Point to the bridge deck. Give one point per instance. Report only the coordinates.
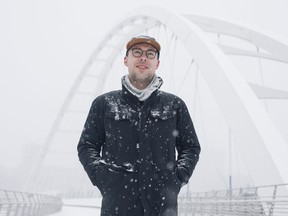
(75, 207)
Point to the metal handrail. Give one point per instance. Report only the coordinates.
(271, 200)
(15, 203)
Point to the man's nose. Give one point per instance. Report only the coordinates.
(143, 57)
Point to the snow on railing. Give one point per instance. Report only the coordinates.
(269, 200)
(14, 203)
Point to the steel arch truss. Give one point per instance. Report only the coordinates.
(249, 122)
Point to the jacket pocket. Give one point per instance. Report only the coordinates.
(167, 180)
(106, 179)
(164, 114)
(98, 178)
(118, 115)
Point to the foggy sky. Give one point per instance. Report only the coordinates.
(45, 44)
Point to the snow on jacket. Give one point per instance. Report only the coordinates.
(131, 148)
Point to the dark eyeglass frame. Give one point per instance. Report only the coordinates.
(154, 52)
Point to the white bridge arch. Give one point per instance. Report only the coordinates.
(248, 120)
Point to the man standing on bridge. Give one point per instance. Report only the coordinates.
(139, 145)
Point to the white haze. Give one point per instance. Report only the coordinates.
(45, 44)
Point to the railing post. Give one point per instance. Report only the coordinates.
(243, 201)
(273, 201)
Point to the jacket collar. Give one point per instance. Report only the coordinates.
(135, 100)
(144, 94)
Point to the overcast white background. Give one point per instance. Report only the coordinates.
(45, 43)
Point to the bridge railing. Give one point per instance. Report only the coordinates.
(269, 200)
(13, 203)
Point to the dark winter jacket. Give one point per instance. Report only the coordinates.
(128, 149)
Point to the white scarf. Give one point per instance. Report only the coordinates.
(143, 94)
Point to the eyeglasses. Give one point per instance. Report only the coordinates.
(137, 52)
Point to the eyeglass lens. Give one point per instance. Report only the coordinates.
(139, 52)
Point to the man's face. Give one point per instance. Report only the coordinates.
(142, 68)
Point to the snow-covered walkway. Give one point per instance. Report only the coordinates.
(80, 207)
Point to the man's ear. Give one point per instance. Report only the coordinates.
(158, 64)
(126, 61)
